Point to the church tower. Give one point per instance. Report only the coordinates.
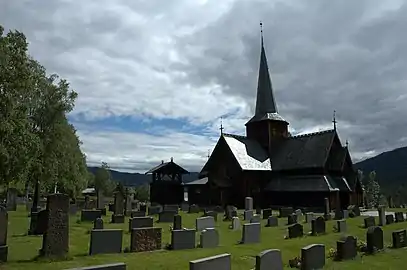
(266, 126)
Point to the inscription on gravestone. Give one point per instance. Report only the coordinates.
(399, 239)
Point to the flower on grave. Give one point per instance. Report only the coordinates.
(285, 236)
(332, 253)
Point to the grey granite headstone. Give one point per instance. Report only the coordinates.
(374, 239)
(177, 224)
(166, 216)
(88, 215)
(327, 209)
(313, 257)
(218, 262)
(98, 224)
(382, 215)
(369, 222)
(269, 260)
(154, 209)
(183, 239)
(292, 219)
(295, 230)
(255, 219)
(185, 206)
(248, 203)
(399, 238)
(106, 241)
(272, 221)
(235, 223)
(345, 214)
(251, 233)
(209, 238)
(3, 234)
(248, 214)
(318, 226)
(135, 213)
(341, 225)
(140, 222)
(399, 216)
(267, 213)
(346, 248)
(204, 223)
(309, 217)
(171, 208)
(389, 219)
(213, 214)
(113, 266)
(193, 209)
(285, 211)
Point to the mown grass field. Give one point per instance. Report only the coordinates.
(23, 248)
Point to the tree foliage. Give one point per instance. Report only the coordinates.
(103, 180)
(37, 142)
(372, 190)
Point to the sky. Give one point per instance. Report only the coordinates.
(154, 78)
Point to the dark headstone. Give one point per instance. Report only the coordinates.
(137, 214)
(285, 211)
(204, 222)
(211, 214)
(171, 208)
(177, 224)
(389, 219)
(399, 216)
(318, 226)
(56, 238)
(382, 215)
(327, 209)
(399, 238)
(295, 230)
(154, 209)
(3, 234)
(369, 222)
(87, 202)
(218, 262)
(258, 211)
(105, 241)
(209, 238)
(145, 239)
(143, 208)
(111, 207)
(269, 260)
(374, 239)
(98, 224)
(117, 219)
(341, 225)
(267, 213)
(272, 221)
(140, 222)
(166, 216)
(313, 257)
(292, 219)
(41, 224)
(251, 233)
(193, 209)
(118, 216)
(12, 199)
(182, 239)
(113, 266)
(90, 215)
(346, 248)
(103, 211)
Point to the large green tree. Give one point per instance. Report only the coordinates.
(103, 180)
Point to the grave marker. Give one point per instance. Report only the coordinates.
(374, 239)
(313, 257)
(183, 239)
(399, 238)
(272, 222)
(369, 222)
(145, 239)
(177, 224)
(269, 260)
(209, 238)
(318, 226)
(251, 233)
(218, 262)
(295, 230)
(346, 248)
(3, 234)
(204, 223)
(105, 241)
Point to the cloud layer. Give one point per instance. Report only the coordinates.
(175, 67)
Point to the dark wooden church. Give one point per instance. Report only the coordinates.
(273, 167)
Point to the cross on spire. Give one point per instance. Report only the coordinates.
(221, 125)
(347, 143)
(334, 120)
(209, 153)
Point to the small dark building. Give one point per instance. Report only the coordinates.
(278, 169)
(166, 186)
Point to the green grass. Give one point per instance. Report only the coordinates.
(22, 248)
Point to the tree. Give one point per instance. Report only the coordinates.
(142, 193)
(373, 191)
(103, 180)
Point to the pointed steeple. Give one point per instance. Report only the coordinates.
(266, 107)
(265, 102)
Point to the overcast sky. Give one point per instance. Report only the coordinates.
(154, 77)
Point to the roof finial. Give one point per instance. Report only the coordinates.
(221, 125)
(334, 120)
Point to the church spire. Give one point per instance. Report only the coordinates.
(265, 102)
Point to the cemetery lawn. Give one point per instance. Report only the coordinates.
(23, 249)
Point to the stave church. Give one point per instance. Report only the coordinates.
(273, 167)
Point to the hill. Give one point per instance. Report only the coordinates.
(137, 179)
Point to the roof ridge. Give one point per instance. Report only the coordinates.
(234, 136)
(313, 133)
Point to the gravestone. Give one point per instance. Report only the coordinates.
(248, 214)
(355, 210)
(327, 209)
(341, 225)
(295, 230)
(218, 209)
(143, 207)
(235, 223)
(285, 211)
(105, 241)
(309, 217)
(313, 257)
(255, 219)
(369, 222)
(204, 223)
(292, 219)
(338, 208)
(209, 238)
(87, 202)
(112, 266)
(111, 207)
(399, 216)
(183, 239)
(269, 260)
(3, 234)
(267, 213)
(345, 214)
(171, 208)
(211, 214)
(299, 215)
(73, 209)
(248, 203)
(399, 238)
(382, 215)
(12, 199)
(128, 205)
(100, 200)
(258, 210)
(140, 222)
(218, 262)
(374, 239)
(389, 219)
(41, 224)
(177, 224)
(251, 233)
(346, 248)
(98, 224)
(230, 212)
(272, 222)
(136, 213)
(193, 209)
(55, 241)
(118, 213)
(145, 239)
(185, 206)
(90, 215)
(166, 216)
(318, 226)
